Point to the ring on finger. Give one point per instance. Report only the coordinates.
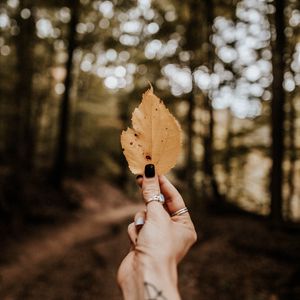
(180, 212)
(158, 197)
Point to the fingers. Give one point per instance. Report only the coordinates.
(150, 188)
(134, 227)
(173, 199)
(132, 233)
(139, 180)
(139, 219)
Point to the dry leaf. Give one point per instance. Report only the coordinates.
(154, 139)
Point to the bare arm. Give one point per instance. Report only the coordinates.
(159, 242)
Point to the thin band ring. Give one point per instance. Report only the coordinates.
(159, 197)
(180, 212)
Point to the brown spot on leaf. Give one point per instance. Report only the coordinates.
(148, 157)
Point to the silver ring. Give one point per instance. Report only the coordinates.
(179, 212)
(159, 197)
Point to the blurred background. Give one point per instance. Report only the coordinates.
(71, 74)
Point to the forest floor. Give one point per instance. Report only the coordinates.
(236, 257)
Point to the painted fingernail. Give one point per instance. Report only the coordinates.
(149, 171)
(139, 221)
(139, 176)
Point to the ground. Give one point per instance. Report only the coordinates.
(236, 257)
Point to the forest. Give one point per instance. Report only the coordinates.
(71, 74)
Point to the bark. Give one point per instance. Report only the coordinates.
(190, 165)
(228, 153)
(192, 45)
(208, 138)
(292, 154)
(20, 134)
(63, 132)
(277, 119)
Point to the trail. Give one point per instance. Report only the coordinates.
(235, 257)
(98, 221)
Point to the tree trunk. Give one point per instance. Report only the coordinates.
(228, 153)
(190, 164)
(208, 139)
(192, 44)
(62, 142)
(20, 134)
(292, 155)
(277, 119)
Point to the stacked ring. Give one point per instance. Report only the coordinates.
(179, 212)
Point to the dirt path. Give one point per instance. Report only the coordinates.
(94, 223)
(235, 258)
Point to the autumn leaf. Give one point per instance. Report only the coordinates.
(155, 136)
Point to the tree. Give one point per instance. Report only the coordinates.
(62, 141)
(192, 44)
(277, 118)
(292, 153)
(20, 135)
(208, 138)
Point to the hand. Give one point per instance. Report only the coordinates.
(158, 244)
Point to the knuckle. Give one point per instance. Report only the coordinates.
(149, 190)
(146, 193)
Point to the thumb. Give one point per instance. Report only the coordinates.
(150, 188)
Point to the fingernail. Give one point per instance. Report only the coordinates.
(139, 221)
(139, 176)
(149, 171)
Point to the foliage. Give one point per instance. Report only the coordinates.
(212, 67)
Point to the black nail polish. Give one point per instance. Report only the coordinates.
(139, 176)
(149, 171)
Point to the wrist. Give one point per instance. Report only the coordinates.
(158, 277)
(130, 283)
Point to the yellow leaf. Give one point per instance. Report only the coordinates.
(154, 139)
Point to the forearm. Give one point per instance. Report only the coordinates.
(152, 280)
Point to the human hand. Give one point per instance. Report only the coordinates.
(159, 240)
